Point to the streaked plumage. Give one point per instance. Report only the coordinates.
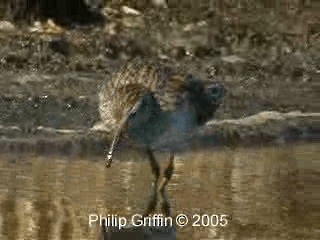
(153, 104)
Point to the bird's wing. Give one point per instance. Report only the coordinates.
(126, 97)
(138, 78)
(135, 73)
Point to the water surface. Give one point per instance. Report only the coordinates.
(267, 192)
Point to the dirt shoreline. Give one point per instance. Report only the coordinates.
(265, 128)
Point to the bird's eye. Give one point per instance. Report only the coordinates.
(216, 92)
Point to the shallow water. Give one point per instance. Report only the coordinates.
(267, 193)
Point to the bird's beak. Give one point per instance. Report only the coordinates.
(115, 141)
(119, 131)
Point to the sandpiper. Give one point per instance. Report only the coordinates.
(153, 105)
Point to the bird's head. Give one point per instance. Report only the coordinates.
(206, 97)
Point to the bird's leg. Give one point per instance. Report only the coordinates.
(165, 204)
(155, 168)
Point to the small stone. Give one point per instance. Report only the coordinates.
(6, 26)
(189, 27)
(3, 61)
(107, 11)
(130, 11)
(160, 3)
(178, 52)
(49, 27)
(232, 59)
(36, 27)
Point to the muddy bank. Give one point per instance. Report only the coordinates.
(50, 74)
(256, 130)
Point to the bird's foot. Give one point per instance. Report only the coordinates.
(108, 164)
